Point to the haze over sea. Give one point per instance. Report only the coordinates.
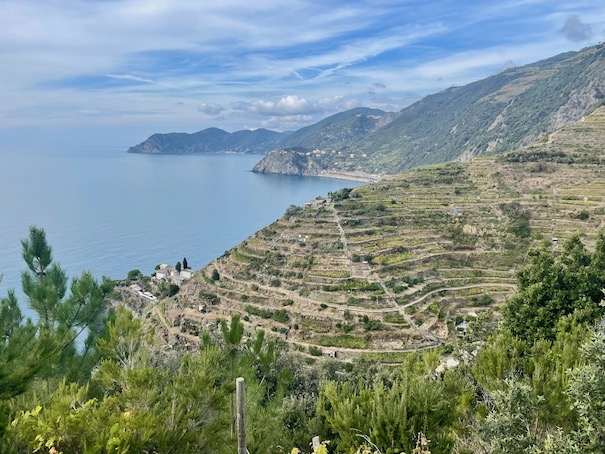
(110, 212)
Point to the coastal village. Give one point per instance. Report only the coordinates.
(174, 275)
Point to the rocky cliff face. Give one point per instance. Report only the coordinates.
(289, 163)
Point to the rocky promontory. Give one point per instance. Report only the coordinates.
(287, 162)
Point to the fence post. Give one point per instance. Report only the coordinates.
(241, 416)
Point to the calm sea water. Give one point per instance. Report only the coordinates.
(109, 212)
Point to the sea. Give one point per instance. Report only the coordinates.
(109, 211)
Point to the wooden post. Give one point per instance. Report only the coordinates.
(240, 397)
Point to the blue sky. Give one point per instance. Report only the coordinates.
(119, 70)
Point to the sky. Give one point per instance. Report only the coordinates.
(113, 72)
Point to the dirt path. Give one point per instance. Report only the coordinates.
(343, 239)
(365, 350)
(396, 308)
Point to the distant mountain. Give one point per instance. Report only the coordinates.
(335, 132)
(211, 140)
(340, 130)
(508, 110)
(502, 112)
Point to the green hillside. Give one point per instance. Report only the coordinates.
(338, 131)
(400, 264)
(500, 113)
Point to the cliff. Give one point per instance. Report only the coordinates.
(289, 163)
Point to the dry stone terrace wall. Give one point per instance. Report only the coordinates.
(397, 264)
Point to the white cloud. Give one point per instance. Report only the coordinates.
(283, 106)
(350, 104)
(471, 65)
(287, 123)
(210, 108)
(283, 65)
(294, 107)
(329, 103)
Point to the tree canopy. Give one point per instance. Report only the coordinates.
(536, 385)
(551, 287)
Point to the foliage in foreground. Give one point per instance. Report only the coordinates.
(537, 385)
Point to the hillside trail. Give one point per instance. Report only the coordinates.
(371, 275)
(359, 270)
(397, 308)
(343, 238)
(366, 350)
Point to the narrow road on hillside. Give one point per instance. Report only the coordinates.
(343, 239)
(362, 310)
(410, 348)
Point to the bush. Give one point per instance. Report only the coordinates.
(173, 290)
(275, 282)
(346, 328)
(370, 324)
(281, 316)
(315, 351)
(341, 194)
(133, 275)
(292, 210)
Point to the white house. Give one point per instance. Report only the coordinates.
(161, 274)
(170, 273)
(187, 273)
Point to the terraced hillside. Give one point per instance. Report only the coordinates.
(399, 264)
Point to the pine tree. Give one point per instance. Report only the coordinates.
(48, 347)
(185, 264)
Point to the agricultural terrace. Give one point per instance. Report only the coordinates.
(406, 263)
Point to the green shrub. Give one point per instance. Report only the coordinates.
(583, 215)
(315, 351)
